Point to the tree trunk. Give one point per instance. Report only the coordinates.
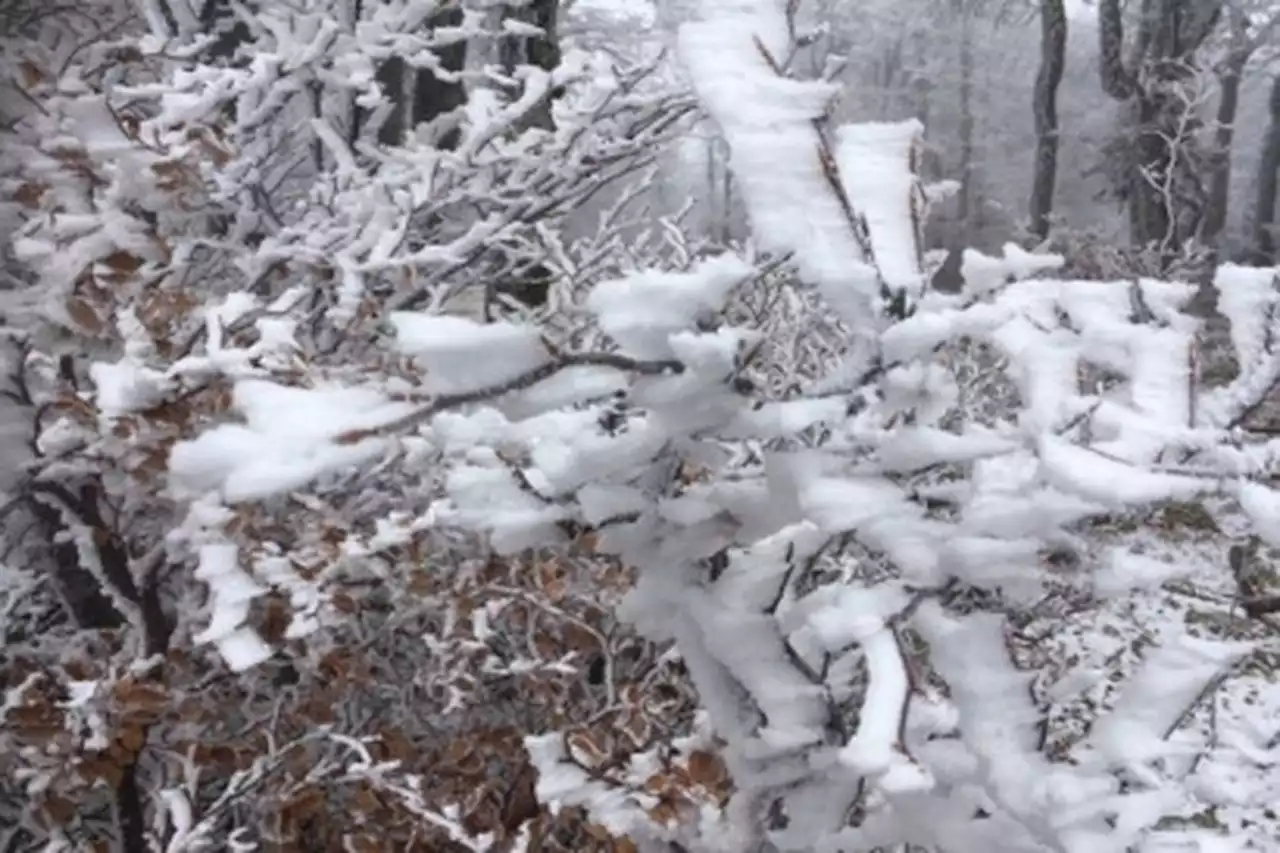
(1265, 214)
(1053, 48)
(964, 200)
(542, 51)
(1225, 127)
(390, 77)
(423, 98)
(434, 96)
(217, 16)
(1223, 136)
(1165, 208)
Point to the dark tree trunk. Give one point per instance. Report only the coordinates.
(964, 199)
(217, 17)
(390, 77)
(428, 98)
(1053, 49)
(433, 96)
(1225, 127)
(85, 601)
(1268, 169)
(1223, 136)
(542, 51)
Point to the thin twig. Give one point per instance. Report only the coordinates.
(447, 402)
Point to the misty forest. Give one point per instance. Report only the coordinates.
(640, 426)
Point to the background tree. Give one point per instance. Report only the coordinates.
(1053, 53)
(1162, 185)
(1268, 180)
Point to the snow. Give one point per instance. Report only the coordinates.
(288, 438)
(1124, 571)
(462, 355)
(985, 274)
(1249, 298)
(124, 387)
(643, 311)
(1134, 733)
(768, 122)
(874, 160)
(1110, 482)
(1262, 505)
(807, 552)
(231, 591)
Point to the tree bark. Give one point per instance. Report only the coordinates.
(1053, 49)
(1116, 80)
(217, 17)
(1225, 126)
(542, 51)
(435, 96)
(390, 78)
(1268, 177)
(964, 199)
(429, 96)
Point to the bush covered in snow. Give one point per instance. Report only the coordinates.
(717, 553)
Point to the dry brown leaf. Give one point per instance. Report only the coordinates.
(32, 76)
(123, 262)
(84, 315)
(584, 749)
(305, 803)
(94, 769)
(29, 194)
(706, 769)
(142, 699)
(344, 603)
(276, 617)
(367, 801)
(132, 739)
(59, 810)
(362, 843)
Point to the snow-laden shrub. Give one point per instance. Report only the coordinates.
(190, 224)
(899, 610)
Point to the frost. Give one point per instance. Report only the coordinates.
(1136, 730)
(642, 311)
(288, 439)
(1108, 481)
(873, 160)
(1124, 571)
(231, 590)
(461, 355)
